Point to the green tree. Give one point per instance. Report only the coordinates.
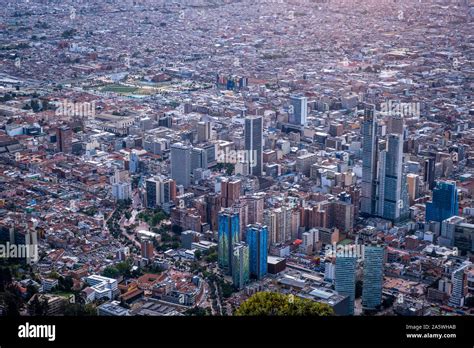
(111, 272)
(275, 304)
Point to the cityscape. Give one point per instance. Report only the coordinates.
(236, 158)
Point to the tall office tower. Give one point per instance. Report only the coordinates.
(369, 162)
(146, 248)
(373, 277)
(413, 182)
(254, 144)
(459, 281)
(64, 139)
(210, 149)
(134, 163)
(230, 191)
(203, 131)
(181, 164)
(257, 236)
(444, 203)
(240, 265)
(345, 279)
(300, 110)
(255, 205)
(198, 159)
(241, 208)
(228, 236)
(121, 186)
(159, 191)
(429, 173)
(213, 207)
(390, 202)
(270, 220)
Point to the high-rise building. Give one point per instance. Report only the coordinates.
(429, 173)
(444, 203)
(391, 192)
(373, 277)
(345, 279)
(230, 191)
(213, 207)
(240, 265)
(198, 159)
(146, 248)
(255, 206)
(257, 236)
(121, 186)
(134, 163)
(459, 281)
(181, 164)
(159, 191)
(254, 144)
(369, 162)
(413, 182)
(300, 110)
(204, 131)
(64, 139)
(228, 236)
(210, 149)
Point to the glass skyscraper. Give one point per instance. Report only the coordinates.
(257, 236)
(345, 279)
(369, 162)
(240, 265)
(228, 236)
(300, 110)
(392, 195)
(254, 144)
(181, 164)
(444, 203)
(373, 277)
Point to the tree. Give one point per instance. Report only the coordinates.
(111, 272)
(275, 304)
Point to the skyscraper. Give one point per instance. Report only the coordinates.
(254, 144)
(240, 265)
(391, 193)
(257, 236)
(459, 281)
(300, 110)
(228, 236)
(181, 164)
(159, 191)
(134, 163)
(373, 277)
(413, 181)
(345, 281)
(198, 159)
(230, 191)
(203, 131)
(64, 139)
(444, 203)
(369, 162)
(429, 173)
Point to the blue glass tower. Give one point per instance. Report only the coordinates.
(373, 277)
(257, 236)
(444, 203)
(345, 279)
(240, 265)
(228, 236)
